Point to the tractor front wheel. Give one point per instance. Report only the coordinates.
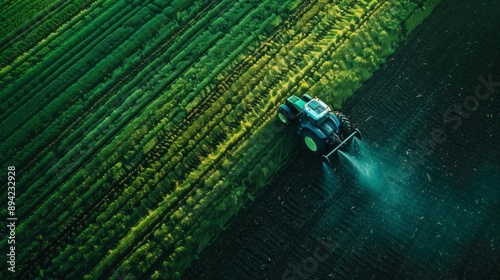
(285, 114)
(315, 144)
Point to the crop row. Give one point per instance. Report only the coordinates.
(126, 104)
(30, 58)
(157, 129)
(181, 248)
(49, 81)
(123, 102)
(46, 22)
(176, 169)
(188, 181)
(119, 112)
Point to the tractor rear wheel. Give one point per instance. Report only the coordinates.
(345, 125)
(285, 114)
(315, 144)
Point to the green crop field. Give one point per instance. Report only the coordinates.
(138, 129)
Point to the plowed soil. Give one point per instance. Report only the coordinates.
(417, 198)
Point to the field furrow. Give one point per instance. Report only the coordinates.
(141, 128)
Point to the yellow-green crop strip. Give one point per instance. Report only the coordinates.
(139, 128)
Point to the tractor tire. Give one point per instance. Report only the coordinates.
(313, 143)
(285, 114)
(345, 125)
(306, 97)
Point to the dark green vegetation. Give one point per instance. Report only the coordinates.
(379, 212)
(139, 128)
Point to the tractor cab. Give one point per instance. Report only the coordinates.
(316, 111)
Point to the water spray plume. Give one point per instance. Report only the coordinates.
(355, 144)
(363, 166)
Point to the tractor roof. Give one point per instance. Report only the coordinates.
(316, 109)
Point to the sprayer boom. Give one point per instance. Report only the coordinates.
(356, 134)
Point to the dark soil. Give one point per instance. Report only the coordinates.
(418, 198)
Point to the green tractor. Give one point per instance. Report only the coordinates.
(323, 131)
